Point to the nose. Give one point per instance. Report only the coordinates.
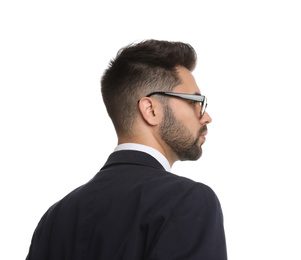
(205, 119)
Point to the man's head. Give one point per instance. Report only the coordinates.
(174, 125)
(138, 70)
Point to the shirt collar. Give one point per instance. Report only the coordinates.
(147, 149)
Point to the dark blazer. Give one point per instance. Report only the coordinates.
(132, 209)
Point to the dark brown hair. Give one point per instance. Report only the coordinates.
(138, 70)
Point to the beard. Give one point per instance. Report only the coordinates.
(178, 137)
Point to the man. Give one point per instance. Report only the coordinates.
(134, 208)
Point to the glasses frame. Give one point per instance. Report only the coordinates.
(193, 97)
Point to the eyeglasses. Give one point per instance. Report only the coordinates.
(192, 97)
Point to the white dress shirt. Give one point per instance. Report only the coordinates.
(146, 149)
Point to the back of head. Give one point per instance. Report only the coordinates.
(138, 70)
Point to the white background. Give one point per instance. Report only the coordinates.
(55, 133)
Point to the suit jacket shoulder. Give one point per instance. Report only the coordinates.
(132, 209)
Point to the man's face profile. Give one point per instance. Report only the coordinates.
(179, 138)
(183, 128)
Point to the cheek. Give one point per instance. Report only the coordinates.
(186, 113)
(189, 116)
(182, 109)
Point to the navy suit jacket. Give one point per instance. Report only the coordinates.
(133, 210)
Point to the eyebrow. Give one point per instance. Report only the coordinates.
(196, 93)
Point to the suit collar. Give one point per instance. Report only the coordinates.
(132, 157)
(146, 149)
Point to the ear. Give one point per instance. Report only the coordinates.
(151, 111)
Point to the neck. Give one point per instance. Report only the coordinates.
(151, 142)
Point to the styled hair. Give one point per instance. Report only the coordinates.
(139, 69)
